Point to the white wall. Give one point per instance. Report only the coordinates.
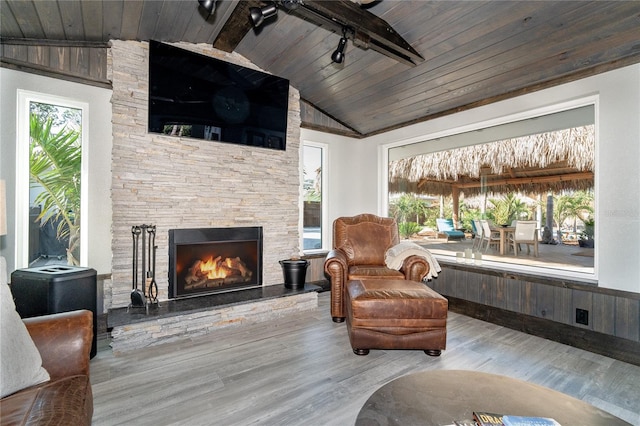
(617, 159)
(352, 174)
(98, 147)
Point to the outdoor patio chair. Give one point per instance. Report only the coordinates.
(445, 226)
(477, 234)
(490, 236)
(526, 232)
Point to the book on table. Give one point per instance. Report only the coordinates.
(483, 418)
(528, 421)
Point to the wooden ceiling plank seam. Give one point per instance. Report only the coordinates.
(205, 30)
(38, 55)
(280, 50)
(50, 18)
(113, 18)
(411, 76)
(23, 11)
(59, 59)
(315, 43)
(488, 81)
(149, 17)
(8, 22)
(441, 85)
(268, 42)
(456, 108)
(173, 20)
(78, 61)
(418, 73)
(71, 14)
(92, 17)
(346, 126)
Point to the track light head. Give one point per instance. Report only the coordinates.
(257, 15)
(208, 5)
(338, 55)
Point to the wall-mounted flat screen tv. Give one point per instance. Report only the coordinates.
(196, 96)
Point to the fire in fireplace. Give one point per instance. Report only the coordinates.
(212, 260)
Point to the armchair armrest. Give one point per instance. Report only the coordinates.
(415, 268)
(64, 341)
(337, 267)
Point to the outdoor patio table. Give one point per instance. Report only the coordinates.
(504, 233)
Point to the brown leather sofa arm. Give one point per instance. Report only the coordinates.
(415, 268)
(337, 267)
(64, 341)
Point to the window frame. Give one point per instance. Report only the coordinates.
(437, 145)
(25, 97)
(324, 181)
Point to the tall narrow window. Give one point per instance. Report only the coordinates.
(50, 170)
(313, 206)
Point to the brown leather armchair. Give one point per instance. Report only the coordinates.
(64, 341)
(359, 246)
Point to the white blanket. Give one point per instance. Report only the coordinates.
(395, 256)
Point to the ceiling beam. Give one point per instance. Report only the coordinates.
(370, 31)
(236, 27)
(365, 29)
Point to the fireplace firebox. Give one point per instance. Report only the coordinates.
(212, 260)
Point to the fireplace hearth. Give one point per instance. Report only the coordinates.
(212, 260)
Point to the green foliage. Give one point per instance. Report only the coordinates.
(55, 167)
(507, 209)
(589, 229)
(408, 207)
(407, 229)
(572, 205)
(467, 215)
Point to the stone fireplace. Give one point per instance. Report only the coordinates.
(183, 183)
(212, 260)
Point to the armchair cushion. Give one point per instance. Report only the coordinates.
(20, 360)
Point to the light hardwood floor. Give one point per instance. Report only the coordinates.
(300, 370)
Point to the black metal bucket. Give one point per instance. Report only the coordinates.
(294, 272)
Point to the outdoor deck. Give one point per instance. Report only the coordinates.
(563, 257)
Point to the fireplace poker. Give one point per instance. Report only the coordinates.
(137, 297)
(153, 286)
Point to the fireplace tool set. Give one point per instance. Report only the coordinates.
(145, 288)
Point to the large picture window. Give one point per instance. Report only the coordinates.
(538, 170)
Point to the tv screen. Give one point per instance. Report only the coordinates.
(193, 95)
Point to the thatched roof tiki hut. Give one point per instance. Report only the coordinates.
(538, 164)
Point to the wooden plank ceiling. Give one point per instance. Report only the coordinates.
(475, 52)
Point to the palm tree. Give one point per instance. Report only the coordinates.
(573, 205)
(508, 208)
(54, 167)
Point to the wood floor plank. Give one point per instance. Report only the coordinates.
(300, 370)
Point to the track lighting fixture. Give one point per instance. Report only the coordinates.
(208, 5)
(257, 15)
(338, 55)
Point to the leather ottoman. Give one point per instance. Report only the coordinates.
(395, 314)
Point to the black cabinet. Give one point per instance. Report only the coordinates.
(55, 289)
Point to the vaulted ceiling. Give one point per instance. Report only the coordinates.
(475, 52)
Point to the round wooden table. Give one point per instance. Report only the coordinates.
(441, 397)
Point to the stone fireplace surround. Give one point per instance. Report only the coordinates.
(186, 183)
